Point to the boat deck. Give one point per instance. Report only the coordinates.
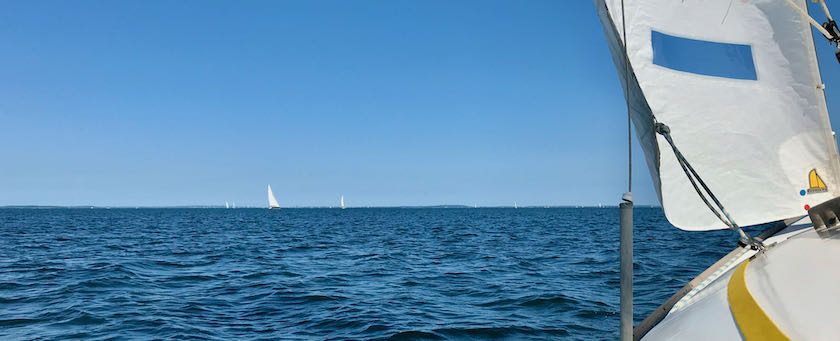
(793, 284)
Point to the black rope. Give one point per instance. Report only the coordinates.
(692, 175)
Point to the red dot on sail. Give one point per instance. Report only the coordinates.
(807, 207)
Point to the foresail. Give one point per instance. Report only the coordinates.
(738, 84)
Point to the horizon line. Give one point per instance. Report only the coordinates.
(319, 206)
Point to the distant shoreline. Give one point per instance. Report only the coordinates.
(303, 207)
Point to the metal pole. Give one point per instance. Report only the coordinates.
(626, 254)
(626, 208)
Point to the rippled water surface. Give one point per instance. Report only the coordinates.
(398, 273)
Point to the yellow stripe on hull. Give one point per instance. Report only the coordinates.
(752, 321)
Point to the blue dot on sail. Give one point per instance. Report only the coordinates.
(802, 192)
(703, 57)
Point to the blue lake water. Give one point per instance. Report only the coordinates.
(378, 273)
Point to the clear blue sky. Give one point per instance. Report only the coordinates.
(384, 102)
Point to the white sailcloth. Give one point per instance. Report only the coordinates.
(738, 84)
(342, 202)
(272, 201)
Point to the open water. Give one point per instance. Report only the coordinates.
(319, 274)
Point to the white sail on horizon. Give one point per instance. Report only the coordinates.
(227, 205)
(738, 85)
(272, 201)
(342, 202)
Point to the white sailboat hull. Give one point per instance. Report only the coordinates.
(793, 283)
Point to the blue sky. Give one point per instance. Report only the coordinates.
(385, 102)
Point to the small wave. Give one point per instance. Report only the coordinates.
(39, 246)
(321, 298)
(7, 300)
(191, 278)
(17, 322)
(592, 314)
(496, 303)
(97, 283)
(83, 319)
(415, 335)
(376, 328)
(369, 255)
(188, 264)
(257, 275)
(550, 302)
(499, 332)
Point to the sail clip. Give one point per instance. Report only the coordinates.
(831, 32)
(833, 36)
(834, 33)
(830, 29)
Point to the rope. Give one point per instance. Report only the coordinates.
(825, 9)
(813, 22)
(828, 29)
(695, 178)
(627, 99)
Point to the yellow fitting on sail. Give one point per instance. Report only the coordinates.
(815, 182)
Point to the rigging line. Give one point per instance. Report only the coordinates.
(727, 12)
(808, 17)
(682, 163)
(694, 175)
(825, 9)
(745, 238)
(627, 100)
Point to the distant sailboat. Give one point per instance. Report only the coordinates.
(233, 205)
(227, 205)
(272, 201)
(514, 205)
(342, 202)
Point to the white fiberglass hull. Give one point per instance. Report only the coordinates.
(792, 286)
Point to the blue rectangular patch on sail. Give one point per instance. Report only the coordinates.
(703, 57)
